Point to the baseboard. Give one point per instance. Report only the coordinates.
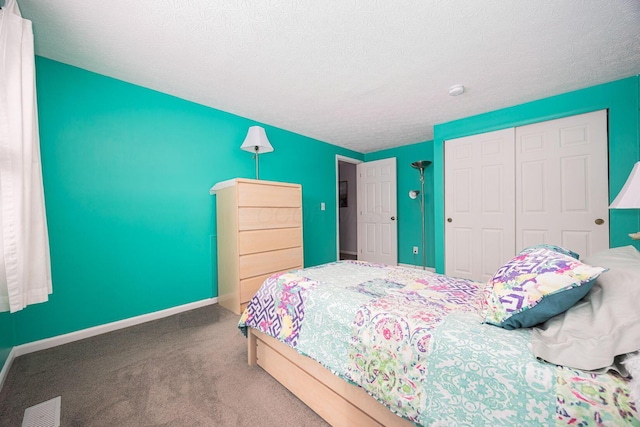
(349, 252)
(7, 365)
(107, 327)
(431, 269)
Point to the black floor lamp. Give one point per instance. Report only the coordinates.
(420, 165)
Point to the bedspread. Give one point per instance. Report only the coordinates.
(415, 341)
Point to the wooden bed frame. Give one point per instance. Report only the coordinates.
(331, 397)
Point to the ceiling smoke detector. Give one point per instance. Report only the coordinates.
(456, 90)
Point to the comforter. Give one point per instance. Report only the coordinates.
(415, 341)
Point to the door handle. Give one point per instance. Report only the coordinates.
(599, 221)
(449, 220)
(393, 218)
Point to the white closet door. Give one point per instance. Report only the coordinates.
(562, 180)
(479, 204)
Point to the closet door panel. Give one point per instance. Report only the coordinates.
(479, 204)
(461, 265)
(493, 251)
(533, 237)
(574, 175)
(533, 186)
(579, 241)
(562, 181)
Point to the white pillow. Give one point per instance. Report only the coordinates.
(604, 324)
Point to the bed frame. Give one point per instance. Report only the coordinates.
(334, 399)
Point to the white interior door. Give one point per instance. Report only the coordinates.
(377, 212)
(562, 183)
(479, 204)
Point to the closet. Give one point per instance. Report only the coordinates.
(541, 183)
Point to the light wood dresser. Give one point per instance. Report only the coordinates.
(259, 225)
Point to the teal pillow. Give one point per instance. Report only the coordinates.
(554, 248)
(535, 286)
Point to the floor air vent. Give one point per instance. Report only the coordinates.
(45, 414)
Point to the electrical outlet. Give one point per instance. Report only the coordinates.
(415, 250)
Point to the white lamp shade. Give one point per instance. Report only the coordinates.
(629, 196)
(256, 141)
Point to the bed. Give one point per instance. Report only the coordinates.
(370, 344)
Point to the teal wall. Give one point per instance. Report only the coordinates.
(127, 173)
(132, 226)
(619, 97)
(6, 337)
(409, 226)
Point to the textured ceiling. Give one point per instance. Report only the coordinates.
(364, 75)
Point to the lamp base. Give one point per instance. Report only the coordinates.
(257, 169)
(635, 236)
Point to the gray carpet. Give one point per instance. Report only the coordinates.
(189, 369)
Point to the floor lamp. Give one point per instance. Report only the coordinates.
(420, 165)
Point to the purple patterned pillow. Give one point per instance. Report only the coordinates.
(535, 286)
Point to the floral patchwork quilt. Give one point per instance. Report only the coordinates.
(417, 343)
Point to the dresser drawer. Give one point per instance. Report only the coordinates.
(269, 262)
(267, 218)
(260, 195)
(249, 287)
(243, 306)
(252, 241)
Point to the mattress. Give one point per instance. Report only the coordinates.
(416, 342)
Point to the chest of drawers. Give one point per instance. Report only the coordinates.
(259, 228)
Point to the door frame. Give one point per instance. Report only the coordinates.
(345, 159)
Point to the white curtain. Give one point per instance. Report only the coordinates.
(25, 266)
